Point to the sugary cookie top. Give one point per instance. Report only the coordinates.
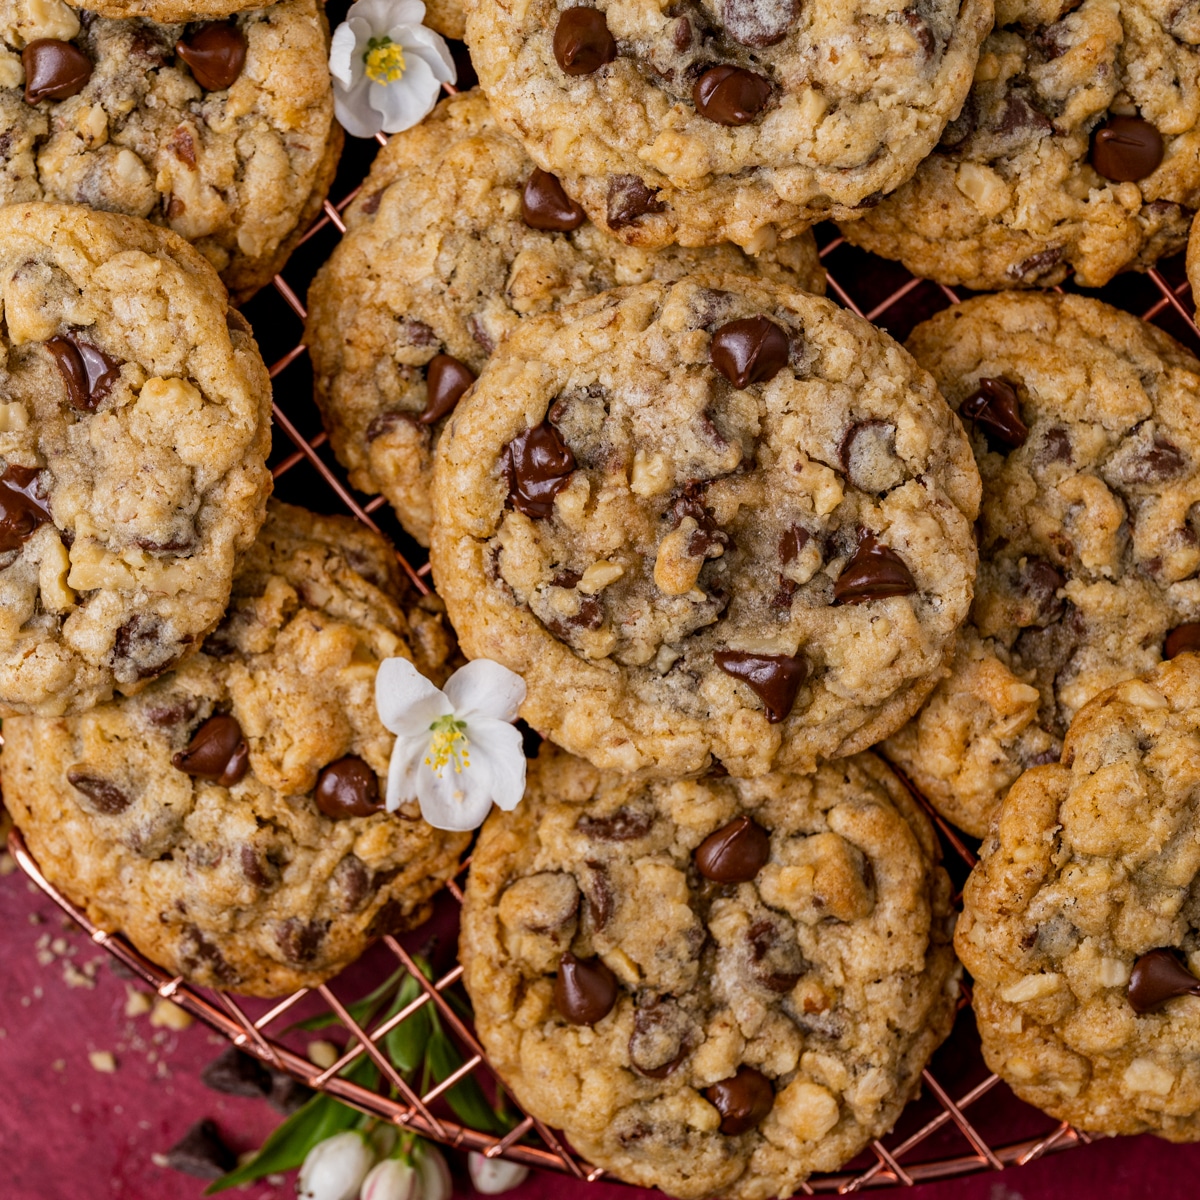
(134, 410)
(228, 817)
(719, 518)
(1085, 422)
(714, 986)
(1081, 923)
(1075, 152)
(191, 126)
(455, 237)
(739, 120)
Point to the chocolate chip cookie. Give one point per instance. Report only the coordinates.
(1081, 923)
(1084, 422)
(1076, 153)
(134, 428)
(714, 986)
(228, 819)
(716, 518)
(454, 238)
(222, 131)
(743, 120)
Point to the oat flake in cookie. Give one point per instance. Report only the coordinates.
(736, 120)
(221, 130)
(228, 818)
(134, 426)
(1077, 152)
(455, 237)
(1081, 923)
(720, 518)
(713, 986)
(1086, 425)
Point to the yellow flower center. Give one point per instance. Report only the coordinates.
(384, 59)
(448, 745)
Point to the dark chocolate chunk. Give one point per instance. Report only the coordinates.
(236, 1073)
(22, 508)
(1021, 116)
(758, 22)
(544, 204)
(628, 199)
(106, 797)
(1126, 149)
(921, 31)
(446, 381)
(773, 678)
(735, 853)
(585, 990)
(994, 407)
(660, 1040)
(1040, 583)
(300, 941)
(1056, 447)
(216, 54)
(259, 869)
(753, 350)
(351, 882)
(139, 644)
(202, 1152)
(875, 572)
(1158, 976)
(582, 41)
(625, 825)
(791, 542)
(54, 70)
(1182, 638)
(217, 751)
(730, 95)
(1036, 266)
(778, 963)
(743, 1100)
(348, 788)
(200, 956)
(539, 465)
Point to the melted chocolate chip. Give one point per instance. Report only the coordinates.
(216, 54)
(628, 199)
(22, 509)
(1181, 639)
(348, 788)
(217, 751)
(1158, 976)
(777, 958)
(994, 407)
(1163, 460)
(300, 941)
(625, 825)
(773, 678)
(730, 95)
(259, 871)
(539, 465)
(1126, 149)
(1040, 582)
(791, 542)
(54, 70)
(660, 1040)
(749, 351)
(446, 380)
(1056, 447)
(1036, 266)
(875, 572)
(582, 41)
(585, 990)
(106, 797)
(735, 853)
(544, 204)
(743, 1100)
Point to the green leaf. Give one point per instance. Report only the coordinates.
(466, 1097)
(360, 1010)
(405, 1045)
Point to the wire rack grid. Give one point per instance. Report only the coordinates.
(938, 1124)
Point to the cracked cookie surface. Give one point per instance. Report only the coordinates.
(450, 243)
(251, 868)
(720, 518)
(235, 152)
(1084, 426)
(1077, 152)
(134, 428)
(1081, 923)
(737, 120)
(782, 941)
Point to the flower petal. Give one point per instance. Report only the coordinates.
(484, 688)
(455, 800)
(409, 99)
(499, 745)
(382, 15)
(407, 756)
(406, 701)
(342, 56)
(431, 48)
(354, 112)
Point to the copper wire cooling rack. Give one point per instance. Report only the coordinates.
(934, 1138)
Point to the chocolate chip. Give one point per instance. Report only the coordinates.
(778, 963)
(597, 887)
(994, 407)
(920, 30)
(585, 990)
(1161, 461)
(730, 95)
(582, 41)
(1040, 582)
(1019, 115)
(1056, 447)
(1182, 639)
(300, 941)
(87, 371)
(199, 956)
(410, 332)
(773, 678)
(139, 645)
(217, 751)
(1036, 266)
(735, 853)
(22, 509)
(54, 70)
(216, 53)
(660, 1040)
(754, 350)
(1126, 149)
(708, 540)
(875, 572)
(791, 542)
(544, 204)
(351, 882)
(106, 797)
(743, 1100)
(259, 871)
(446, 380)
(758, 22)
(1158, 976)
(628, 199)
(391, 918)
(201, 1152)
(348, 788)
(625, 825)
(539, 465)
(235, 1073)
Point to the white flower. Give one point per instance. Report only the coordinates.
(432, 1173)
(392, 1179)
(334, 1168)
(494, 1175)
(387, 67)
(456, 750)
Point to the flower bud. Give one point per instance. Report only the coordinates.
(433, 1176)
(392, 1179)
(494, 1175)
(335, 1168)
